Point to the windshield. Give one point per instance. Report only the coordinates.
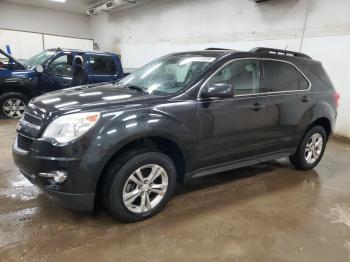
(38, 59)
(167, 75)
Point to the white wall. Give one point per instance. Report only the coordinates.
(43, 20)
(22, 44)
(52, 41)
(66, 28)
(158, 27)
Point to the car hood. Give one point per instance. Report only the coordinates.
(12, 59)
(89, 97)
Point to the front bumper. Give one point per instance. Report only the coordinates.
(70, 193)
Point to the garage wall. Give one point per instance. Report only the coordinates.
(43, 20)
(158, 27)
(28, 30)
(22, 44)
(52, 41)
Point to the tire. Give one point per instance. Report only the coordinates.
(14, 110)
(117, 187)
(306, 160)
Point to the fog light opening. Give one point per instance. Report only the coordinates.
(58, 176)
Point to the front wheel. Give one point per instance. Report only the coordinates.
(311, 149)
(12, 105)
(140, 185)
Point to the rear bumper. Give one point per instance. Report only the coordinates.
(72, 193)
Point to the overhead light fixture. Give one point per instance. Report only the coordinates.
(107, 6)
(60, 1)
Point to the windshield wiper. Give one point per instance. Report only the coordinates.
(137, 88)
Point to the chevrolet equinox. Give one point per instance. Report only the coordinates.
(182, 116)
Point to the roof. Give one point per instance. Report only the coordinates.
(215, 53)
(262, 51)
(81, 51)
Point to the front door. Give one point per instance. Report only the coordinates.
(58, 74)
(234, 128)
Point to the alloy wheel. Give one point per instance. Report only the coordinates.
(313, 148)
(145, 188)
(13, 107)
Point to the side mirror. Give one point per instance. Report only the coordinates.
(39, 68)
(218, 90)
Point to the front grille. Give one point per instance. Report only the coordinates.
(32, 119)
(24, 142)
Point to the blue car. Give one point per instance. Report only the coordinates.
(51, 70)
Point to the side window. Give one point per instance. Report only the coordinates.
(303, 83)
(61, 66)
(102, 65)
(280, 76)
(243, 75)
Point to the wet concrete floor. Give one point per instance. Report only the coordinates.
(267, 212)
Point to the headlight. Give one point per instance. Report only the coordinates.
(67, 128)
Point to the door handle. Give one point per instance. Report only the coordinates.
(305, 99)
(256, 107)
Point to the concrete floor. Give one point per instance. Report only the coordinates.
(268, 212)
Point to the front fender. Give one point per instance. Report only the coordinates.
(21, 81)
(121, 128)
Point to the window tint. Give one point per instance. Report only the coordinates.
(243, 75)
(303, 83)
(61, 65)
(102, 65)
(280, 76)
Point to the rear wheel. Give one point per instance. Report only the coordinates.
(12, 105)
(139, 185)
(311, 149)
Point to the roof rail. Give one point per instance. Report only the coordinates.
(216, 48)
(279, 52)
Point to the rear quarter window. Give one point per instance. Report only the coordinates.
(303, 83)
(102, 65)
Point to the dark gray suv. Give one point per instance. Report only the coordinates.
(181, 116)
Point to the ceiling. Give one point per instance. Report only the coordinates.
(76, 6)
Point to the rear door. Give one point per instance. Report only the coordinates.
(101, 68)
(287, 101)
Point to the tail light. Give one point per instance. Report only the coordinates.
(337, 98)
